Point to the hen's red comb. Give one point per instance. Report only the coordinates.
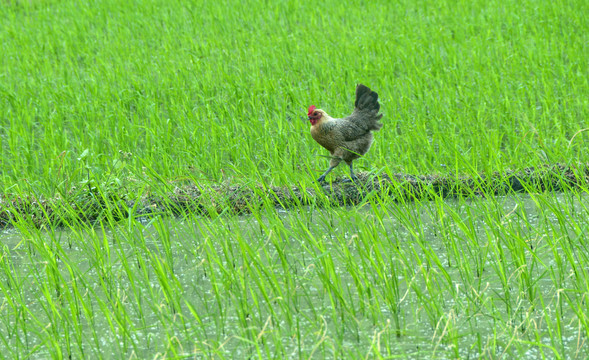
(311, 109)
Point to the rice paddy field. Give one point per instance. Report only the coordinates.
(114, 112)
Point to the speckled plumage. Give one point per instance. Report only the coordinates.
(351, 137)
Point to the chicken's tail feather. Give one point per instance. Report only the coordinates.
(375, 125)
(367, 100)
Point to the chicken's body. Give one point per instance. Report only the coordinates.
(351, 137)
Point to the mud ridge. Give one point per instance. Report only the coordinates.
(244, 199)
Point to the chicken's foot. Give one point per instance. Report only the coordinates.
(352, 175)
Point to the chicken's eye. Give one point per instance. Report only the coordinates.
(315, 113)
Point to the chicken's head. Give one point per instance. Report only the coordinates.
(314, 114)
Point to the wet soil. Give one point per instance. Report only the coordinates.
(244, 199)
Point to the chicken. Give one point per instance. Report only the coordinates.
(347, 138)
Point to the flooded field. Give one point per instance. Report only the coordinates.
(444, 279)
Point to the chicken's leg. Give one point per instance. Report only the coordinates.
(322, 177)
(332, 164)
(352, 175)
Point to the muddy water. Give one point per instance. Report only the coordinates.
(120, 263)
